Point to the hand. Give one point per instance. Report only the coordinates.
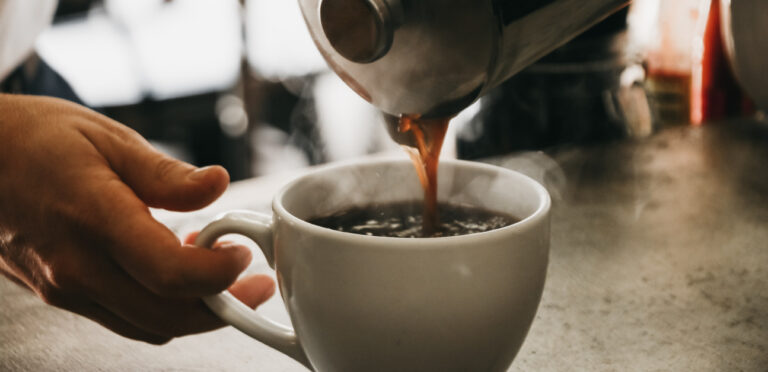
(75, 227)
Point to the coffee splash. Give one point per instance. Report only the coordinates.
(428, 135)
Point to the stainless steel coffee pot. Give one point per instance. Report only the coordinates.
(435, 57)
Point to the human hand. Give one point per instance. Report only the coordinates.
(75, 228)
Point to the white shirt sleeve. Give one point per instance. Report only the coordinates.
(21, 21)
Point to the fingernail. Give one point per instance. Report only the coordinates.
(243, 253)
(199, 173)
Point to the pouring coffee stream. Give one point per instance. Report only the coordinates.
(427, 137)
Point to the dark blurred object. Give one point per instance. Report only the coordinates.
(720, 95)
(574, 95)
(72, 8)
(36, 77)
(670, 94)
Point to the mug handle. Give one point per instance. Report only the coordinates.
(259, 228)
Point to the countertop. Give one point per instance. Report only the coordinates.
(659, 262)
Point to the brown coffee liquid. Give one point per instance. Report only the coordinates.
(429, 135)
(404, 220)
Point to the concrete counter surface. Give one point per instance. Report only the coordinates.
(659, 262)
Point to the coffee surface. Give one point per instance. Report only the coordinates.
(404, 220)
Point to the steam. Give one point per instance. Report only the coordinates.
(274, 151)
(460, 125)
(541, 167)
(348, 126)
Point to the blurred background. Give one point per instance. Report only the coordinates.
(240, 83)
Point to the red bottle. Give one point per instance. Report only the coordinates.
(719, 95)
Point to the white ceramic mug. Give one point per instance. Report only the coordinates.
(367, 303)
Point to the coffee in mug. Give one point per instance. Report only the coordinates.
(405, 220)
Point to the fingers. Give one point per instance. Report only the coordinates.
(151, 254)
(170, 269)
(253, 290)
(191, 237)
(167, 317)
(157, 179)
(100, 290)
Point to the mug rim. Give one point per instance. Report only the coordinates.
(532, 219)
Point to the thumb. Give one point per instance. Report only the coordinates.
(163, 182)
(159, 180)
